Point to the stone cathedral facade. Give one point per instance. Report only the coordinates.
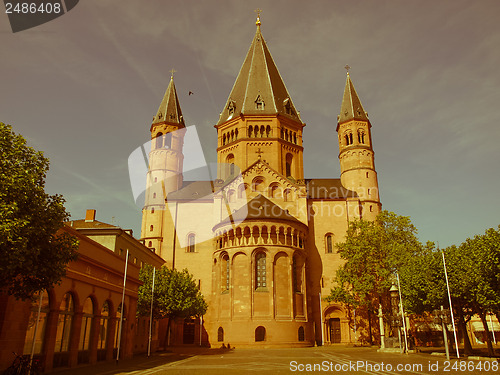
(264, 249)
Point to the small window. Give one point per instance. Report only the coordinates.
(225, 268)
(156, 179)
(150, 244)
(150, 228)
(329, 243)
(167, 143)
(259, 103)
(154, 195)
(191, 242)
(260, 270)
(260, 334)
(371, 208)
(301, 333)
(220, 334)
(159, 140)
(153, 210)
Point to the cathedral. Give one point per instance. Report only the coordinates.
(259, 238)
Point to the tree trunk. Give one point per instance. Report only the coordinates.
(482, 314)
(370, 336)
(463, 328)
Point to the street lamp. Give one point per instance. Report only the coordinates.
(443, 317)
(395, 319)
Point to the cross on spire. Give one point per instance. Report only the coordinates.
(172, 73)
(258, 11)
(347, 67)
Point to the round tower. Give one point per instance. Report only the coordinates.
(165, 166)
(356, 156)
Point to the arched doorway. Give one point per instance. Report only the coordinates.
(335, 325)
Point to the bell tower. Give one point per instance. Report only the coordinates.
(165, 166)
(356, 154)
(259, 119)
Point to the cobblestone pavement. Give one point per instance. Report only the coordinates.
(321, 360)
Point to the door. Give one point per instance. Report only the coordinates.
(335, 337)
(188, 332)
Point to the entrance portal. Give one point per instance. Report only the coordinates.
(335, 336)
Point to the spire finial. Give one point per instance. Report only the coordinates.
(258, 11)
(347, 67)
(172, 73)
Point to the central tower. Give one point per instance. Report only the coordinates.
(259, 119)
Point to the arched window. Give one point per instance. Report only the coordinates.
(150, 244)
(297, 265)
(282, 134)
(154, 195)
(258, 184)
(329, 243)
(350, 139)
(236, 134)
(288, 165)
(301, 333)
(268, 131)
(260, 270)
(361, 136)
(85, 331)
(287, 195)
(274, 190)
(223, 139)
(260, 334)
(250, 131)
(66, 312)
(262, 129)
(191, 240)
(159, 140)
(230, 162)
(295, 138)
(231, 196)
(224, 268)
(168, 140)
(153, 210)
(220, 334)
(103, 331)
(151, 228)
(42, 324)
(241, 191)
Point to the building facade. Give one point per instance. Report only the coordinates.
(260, 238)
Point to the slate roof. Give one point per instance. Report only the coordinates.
(170, 109)
(351, 108)
(259, 79)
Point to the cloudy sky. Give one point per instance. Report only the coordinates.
(83, 88)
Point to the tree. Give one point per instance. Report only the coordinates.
(176, 294)
(373, 251)
(33, 253)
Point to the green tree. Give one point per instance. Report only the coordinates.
(34, 254)
(176, 294)
(373, 251)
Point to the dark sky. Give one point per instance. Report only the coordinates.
(84, 88)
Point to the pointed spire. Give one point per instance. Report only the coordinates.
(351, 108)
(259, 88)
(170, 109)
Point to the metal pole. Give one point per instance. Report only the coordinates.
(321, 319)
(451, 307)
(355, 330)
(36, 329)
(402, 313)
(122, 311)
(201, 327)
(493, 330)
(151, 313)
(445, 335)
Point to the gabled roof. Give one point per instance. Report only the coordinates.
(193, 190)
(260, 208)
(170, 109)
(259, 82)
(351, 108)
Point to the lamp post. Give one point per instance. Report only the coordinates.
(443, 317)
(395, 319)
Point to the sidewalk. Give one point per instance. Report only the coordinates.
(138, 363)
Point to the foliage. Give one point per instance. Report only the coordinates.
(176, 294)
(34, 255)
(373, 251)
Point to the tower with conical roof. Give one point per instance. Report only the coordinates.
(165, 166)
(357, 163)
(259, 120)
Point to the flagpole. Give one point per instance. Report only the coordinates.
(151, 313)
(402, 313)
(451, 307)
(122, 309)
